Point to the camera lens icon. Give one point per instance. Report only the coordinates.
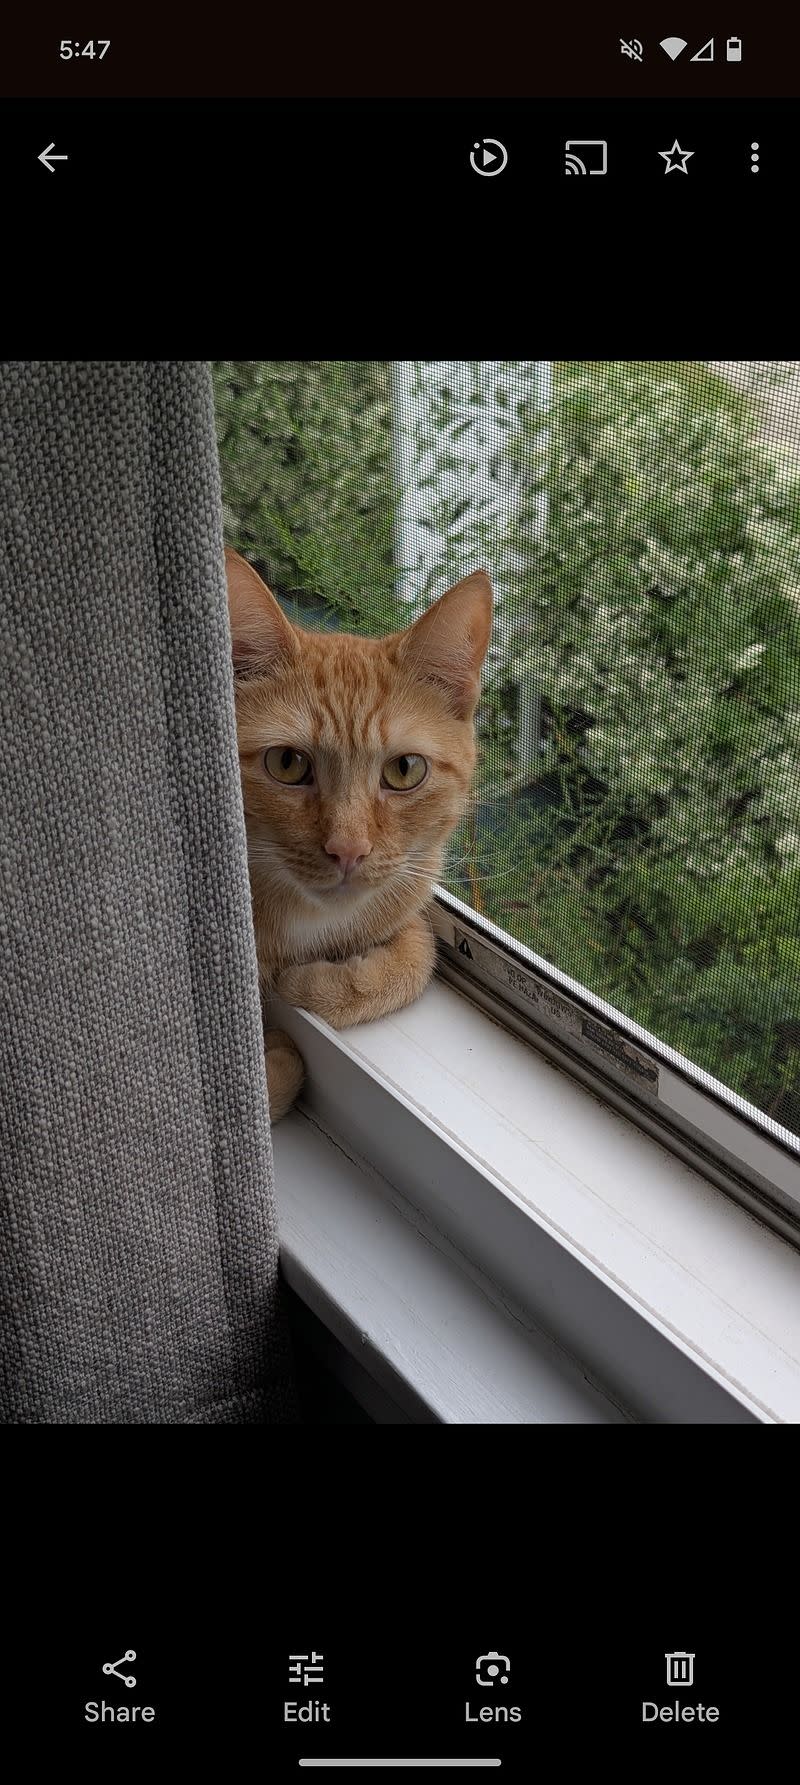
(492, 1668)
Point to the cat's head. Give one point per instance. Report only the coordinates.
(356, 754)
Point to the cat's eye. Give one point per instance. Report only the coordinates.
(404, 772)
(292, 767)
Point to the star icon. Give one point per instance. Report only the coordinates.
(676, 158)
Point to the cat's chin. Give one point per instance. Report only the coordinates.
(338, 892)
(341, 889)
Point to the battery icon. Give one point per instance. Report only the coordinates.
(734, 49)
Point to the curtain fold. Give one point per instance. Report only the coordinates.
(139, 1241)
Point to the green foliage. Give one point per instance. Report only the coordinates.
(659, 833)
(636, 818)
(305, 452)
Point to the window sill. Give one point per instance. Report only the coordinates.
(493, 1244)
(437, 1349)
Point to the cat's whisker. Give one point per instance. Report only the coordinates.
(477, 879)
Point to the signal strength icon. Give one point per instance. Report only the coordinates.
(672, 46)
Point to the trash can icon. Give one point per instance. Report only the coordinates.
(680, 1668)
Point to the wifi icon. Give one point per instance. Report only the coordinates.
(672, 46)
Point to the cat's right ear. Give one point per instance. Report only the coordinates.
(261, 636)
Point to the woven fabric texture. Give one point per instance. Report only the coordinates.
(139, 1244)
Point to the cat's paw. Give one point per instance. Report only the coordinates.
(324, 987)
(285, 1072)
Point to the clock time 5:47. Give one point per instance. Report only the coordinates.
(96, 46)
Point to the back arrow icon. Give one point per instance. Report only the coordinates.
(47, 157)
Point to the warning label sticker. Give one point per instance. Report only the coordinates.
(554, 1011)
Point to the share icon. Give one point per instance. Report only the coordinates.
(111, 1667)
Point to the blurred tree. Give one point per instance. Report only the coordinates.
(658, 835)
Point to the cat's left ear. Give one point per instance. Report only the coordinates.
(261, 635)
(447, 645)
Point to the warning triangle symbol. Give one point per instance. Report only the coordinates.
(464, 948)
(706, 54)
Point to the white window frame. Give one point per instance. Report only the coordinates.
(598, 1232)
(741, 1148)
(487, 1241)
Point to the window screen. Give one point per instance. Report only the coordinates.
(635, 816)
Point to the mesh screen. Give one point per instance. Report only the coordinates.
(635, 815)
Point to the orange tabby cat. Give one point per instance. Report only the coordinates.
(356, 756)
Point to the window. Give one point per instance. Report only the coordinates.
(627, 878)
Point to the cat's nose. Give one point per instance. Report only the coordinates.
(348, 852)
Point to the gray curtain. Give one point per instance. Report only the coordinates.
(139, 1245)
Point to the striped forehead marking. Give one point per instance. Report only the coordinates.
(352, 698)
